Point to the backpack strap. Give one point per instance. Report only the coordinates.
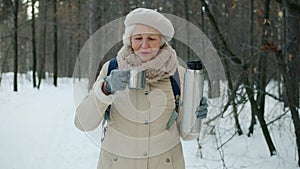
(175, 83)
(113, 64)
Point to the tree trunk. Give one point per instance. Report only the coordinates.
(6, 7)
(55, 60)
(186, 16)
(293, 46)
(288, 80)
(79, 38)
(34, 58)
(291, 76)
(97, 8)
(43, 35)
(253, 120)
(262, 79)
(16, 10)
(262, 63)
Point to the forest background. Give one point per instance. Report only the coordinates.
(257, 41)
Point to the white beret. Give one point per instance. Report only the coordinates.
(151, 18)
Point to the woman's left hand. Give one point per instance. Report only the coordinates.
(201, 111)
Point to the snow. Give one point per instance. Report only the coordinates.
(37, 132)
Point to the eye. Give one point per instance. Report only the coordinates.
(137, 38)
(152, 39)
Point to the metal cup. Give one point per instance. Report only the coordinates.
(137, 79)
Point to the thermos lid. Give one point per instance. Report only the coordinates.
(195, 65)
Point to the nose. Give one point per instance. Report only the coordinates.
(145, 44)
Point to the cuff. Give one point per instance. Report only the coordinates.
(106, 99)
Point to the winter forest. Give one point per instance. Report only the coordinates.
(258, 42)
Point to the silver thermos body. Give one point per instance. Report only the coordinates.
(193, 92)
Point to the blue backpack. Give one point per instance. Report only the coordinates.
(175, 82)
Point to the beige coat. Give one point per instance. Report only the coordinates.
(136, 135)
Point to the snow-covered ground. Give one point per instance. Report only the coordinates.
(37, 132)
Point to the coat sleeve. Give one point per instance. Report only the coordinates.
(184, 135)
(91, 110)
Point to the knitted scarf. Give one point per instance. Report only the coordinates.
(162, 66)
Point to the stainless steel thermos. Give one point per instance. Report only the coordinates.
(193, 92)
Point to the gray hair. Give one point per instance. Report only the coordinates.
(129, 31)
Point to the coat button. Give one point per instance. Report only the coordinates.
(146, 92)
(146, 122)
(168, 160)
(116, 159)
(145, 154)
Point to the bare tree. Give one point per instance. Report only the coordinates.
(55, 50)
(229, 55)
(97, 10)
(34, 57)
(251, 37)
(262, 78)
(290, 66)
(15, 11)
(42, 39)
(6, 10)
(6, 7)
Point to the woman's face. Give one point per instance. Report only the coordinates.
(145, 42)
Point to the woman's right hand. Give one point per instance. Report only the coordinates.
(117, 80)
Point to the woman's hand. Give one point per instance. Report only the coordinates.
(117, 80)
(201, 111)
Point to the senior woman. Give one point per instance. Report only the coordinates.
(142, 132)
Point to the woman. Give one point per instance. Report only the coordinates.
(143, 131)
